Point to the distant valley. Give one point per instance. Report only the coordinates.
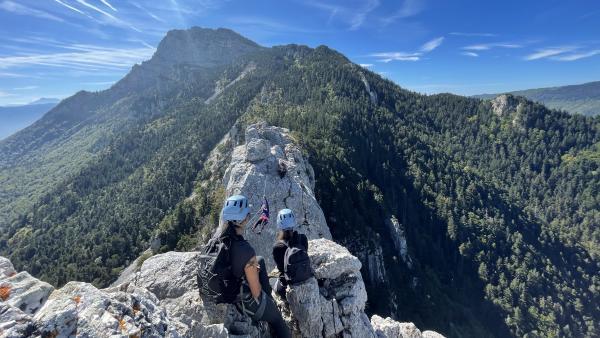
(15, 118)
(581, 99)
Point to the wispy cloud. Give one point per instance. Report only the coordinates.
(548, 52)
(473, 34)
(366, 65)
(19, 9)
(407, 9)
(354, 15)
(5, 94)
(108, 5)
(83, 57)
(472, 54)
(361, 14)
(26, 88)
(150, 14)
(410, 56)
(12, 75)
(564, 53)
(396, 56)
(110, 19)
(432, 44)
(488, 46)
(72, 8)
(577, 56)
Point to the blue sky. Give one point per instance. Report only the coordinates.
(53, 48)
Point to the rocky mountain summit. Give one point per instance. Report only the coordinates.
(158, 297)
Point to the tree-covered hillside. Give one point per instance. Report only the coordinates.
(500, 207)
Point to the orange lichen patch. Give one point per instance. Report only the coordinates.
(77, 299)
(4, 292)
(122, 324)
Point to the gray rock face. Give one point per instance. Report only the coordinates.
(24, 292)
(171, 277)
(337, 306)
(270, 163)
(399, 237)
(14, 323)
(389, 328)
(6, 268)
(81, 309)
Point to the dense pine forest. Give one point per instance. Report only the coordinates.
(501, 207)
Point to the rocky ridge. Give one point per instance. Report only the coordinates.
(159, 298)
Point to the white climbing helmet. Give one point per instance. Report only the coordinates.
(286, 219)
(235, 208)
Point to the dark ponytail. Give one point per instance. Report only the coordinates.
(285, 235)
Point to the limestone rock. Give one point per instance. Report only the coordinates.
(80, 308)
(331, 260)
(431, 334)
(6, 268)
(25, 292)
(398, 234)
(270, 163)
(335, 303)
(389, 328)
(171, 277)
(14, 323)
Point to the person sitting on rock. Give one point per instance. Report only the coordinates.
(255, 297)
(288, 237)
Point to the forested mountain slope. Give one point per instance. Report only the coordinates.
(582, 98)
(81, 127)
(498, 200)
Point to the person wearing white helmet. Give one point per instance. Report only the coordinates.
(286, 224)
(255, 298)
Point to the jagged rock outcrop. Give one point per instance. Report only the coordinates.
(389, 328)
(24, 292)
(158, 296)
(398, 234)
(332, 302)
(6, 268)
(271, 163)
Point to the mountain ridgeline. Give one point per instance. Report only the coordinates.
(498, 200)
(582, 98)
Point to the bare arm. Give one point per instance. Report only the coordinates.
(251, 271)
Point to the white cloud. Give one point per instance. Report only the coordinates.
(26, 88)
(366, 65)
(432, 44)
(473, 34)
(470, 54)
(71, 7)
(577, 56)
(108, 5)
(361, 15)
(5, 94)
(16, 8)
(396, 56)
(548, 52)
(354, 15)
(487, 46)
(83, 57)
(407, 9)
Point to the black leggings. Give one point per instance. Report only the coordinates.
(271, 313)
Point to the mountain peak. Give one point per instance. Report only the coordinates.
(202, 46)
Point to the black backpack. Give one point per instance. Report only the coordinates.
(296, 263)
(216, 281)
